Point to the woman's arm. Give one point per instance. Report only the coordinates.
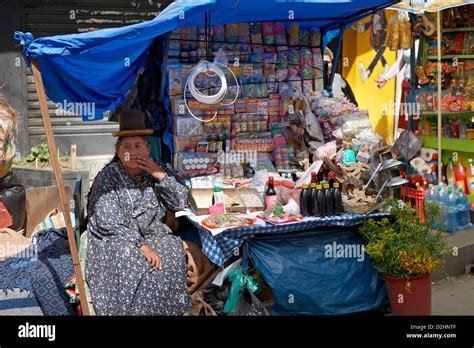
(173, 194)
(395, 68)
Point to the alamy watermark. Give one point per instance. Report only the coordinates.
(69, 108)
(237, 157)
(24, 252)
(344, 251)
(388, 109)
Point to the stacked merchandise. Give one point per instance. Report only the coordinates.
(453, 204)
(264, 138)
(457, 71)
(453, 127)
(275, 66)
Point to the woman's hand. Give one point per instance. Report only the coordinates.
(147, 164)
(381, 82)
(151, 256)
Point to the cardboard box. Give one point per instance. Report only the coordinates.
(237, 200)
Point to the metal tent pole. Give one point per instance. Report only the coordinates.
(438, 29)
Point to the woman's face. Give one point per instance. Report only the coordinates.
(327, 58)
(130, 149)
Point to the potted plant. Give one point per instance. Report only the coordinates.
(406, 251)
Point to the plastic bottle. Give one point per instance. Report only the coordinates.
(303, 200)
(470, 177)
(426, 130)
(454, 124)
(450, 172)
(218, 196)
(321, 201)
(464, 216)
(460, 176)
(439, 199)
(462, 130)
(446, 128)
(451, 211)
(314, 201)
(337, 199)
(328, 200)
(430, 194)
(312, 187)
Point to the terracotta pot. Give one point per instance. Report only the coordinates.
(410, 296)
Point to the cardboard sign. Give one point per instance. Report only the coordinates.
(216, 209)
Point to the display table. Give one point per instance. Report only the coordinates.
(221, 247)
(314, 268)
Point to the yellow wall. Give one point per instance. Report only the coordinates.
(357, 48)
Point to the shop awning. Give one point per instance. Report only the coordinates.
(429, 5)
(100, 67)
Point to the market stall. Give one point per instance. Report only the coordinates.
(255, 124)
(443, 93)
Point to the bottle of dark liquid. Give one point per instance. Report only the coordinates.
(314, 200)
(331, 181)
(320, 201)
(271, 197)
(303, 200)
(325, 179)
(320, 176)
(337, 199)
(312, 187)
(328, 200)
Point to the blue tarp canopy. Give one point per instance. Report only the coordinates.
(100, 67)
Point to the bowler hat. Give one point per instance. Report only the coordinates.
(132, 123)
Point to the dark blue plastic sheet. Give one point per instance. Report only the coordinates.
(304, 280)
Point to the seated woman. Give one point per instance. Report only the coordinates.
(134, 264)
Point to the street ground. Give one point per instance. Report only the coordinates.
(450, 296)
(453, 296)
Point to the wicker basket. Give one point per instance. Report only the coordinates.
(359, 208)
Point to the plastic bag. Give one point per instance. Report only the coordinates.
(221, 57)
(240, 283)
(216, 296)
(407, 145)
(353, 124)
(313, 127)
(250, 305)
(369, 136)
(13, 195)
(328, 150)
(306, 177)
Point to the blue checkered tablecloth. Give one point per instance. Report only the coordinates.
(221, 247)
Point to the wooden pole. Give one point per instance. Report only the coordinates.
(60, 185)
(73, 156)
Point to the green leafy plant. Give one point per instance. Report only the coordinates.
(39, 153)
(403, 246)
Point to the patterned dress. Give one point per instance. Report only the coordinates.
(125, 213)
